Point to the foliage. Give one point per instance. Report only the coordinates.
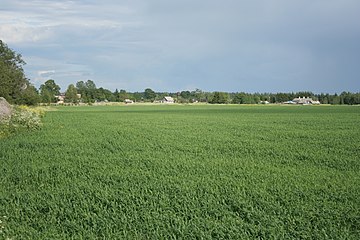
(149, 94)
(49, 90)
(220, 97)
(14, 86)
(29, 96)
(23, 118)
(104, 95)
(174, 172)
(71, 94)
(88, 91)
(121, 96)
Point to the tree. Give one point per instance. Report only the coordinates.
(185, 94)
(49, 90)
(149, 94)
(12, 78)
(220, 97)
(199, 95)
(103, 94)
(122, 95)
(71, 94)
(29, 96)
(81, 87)
(87, 90)
(238, 98)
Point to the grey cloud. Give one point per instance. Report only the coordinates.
(231, 45)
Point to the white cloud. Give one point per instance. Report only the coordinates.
(20, 32)
(45, 73)
(209, 44)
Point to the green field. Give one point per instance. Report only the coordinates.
(184, 172)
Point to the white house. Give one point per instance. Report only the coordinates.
(168, 99)
(61, 98)
(128, 101)
(304, 101)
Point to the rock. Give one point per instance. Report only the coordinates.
(5, 109)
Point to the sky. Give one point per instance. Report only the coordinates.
(171, 46)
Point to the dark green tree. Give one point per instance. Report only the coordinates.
(220, 97)
(71, 94)
(103, 94)
(88, 91)
(49, 90)
(13, 82)
(185, 94)
(149, 94)
(29, 96)
(123, 95)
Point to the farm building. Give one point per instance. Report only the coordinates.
(303, 101)
(168, 99)
(128, 101)
(61, 98)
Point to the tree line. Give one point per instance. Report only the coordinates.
(17, 89)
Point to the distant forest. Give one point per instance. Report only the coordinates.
(90, 93)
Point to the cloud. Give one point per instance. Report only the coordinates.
(20, 33)
(46, 73)
(260, 45)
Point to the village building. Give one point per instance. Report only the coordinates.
(303, 101)
(168, 99)
(128, 101)
(61, 98)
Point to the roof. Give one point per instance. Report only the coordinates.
(169, 99)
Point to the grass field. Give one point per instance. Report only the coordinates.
(184, 172)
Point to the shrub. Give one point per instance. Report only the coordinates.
(22, 118)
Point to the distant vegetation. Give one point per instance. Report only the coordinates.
(16, 88)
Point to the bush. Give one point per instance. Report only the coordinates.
(23, 118)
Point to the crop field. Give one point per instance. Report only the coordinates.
(184, 172)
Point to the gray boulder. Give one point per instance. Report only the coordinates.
(5, 109)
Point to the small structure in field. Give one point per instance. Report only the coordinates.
(168, 99)
(128, 101)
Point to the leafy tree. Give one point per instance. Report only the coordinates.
(149, 94)
(81, 88)
(87, 90)
(49, 90)
(237, 99)
(123, 95)
(12, 78)
(103, 94)
(90, 91)
(199, 95)
(220, 97)
(185, 94)
(71, 94)
(29, 96)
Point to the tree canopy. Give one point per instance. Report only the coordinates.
(71, 94)
(14, 86)
(49, 90)
(149, 94)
